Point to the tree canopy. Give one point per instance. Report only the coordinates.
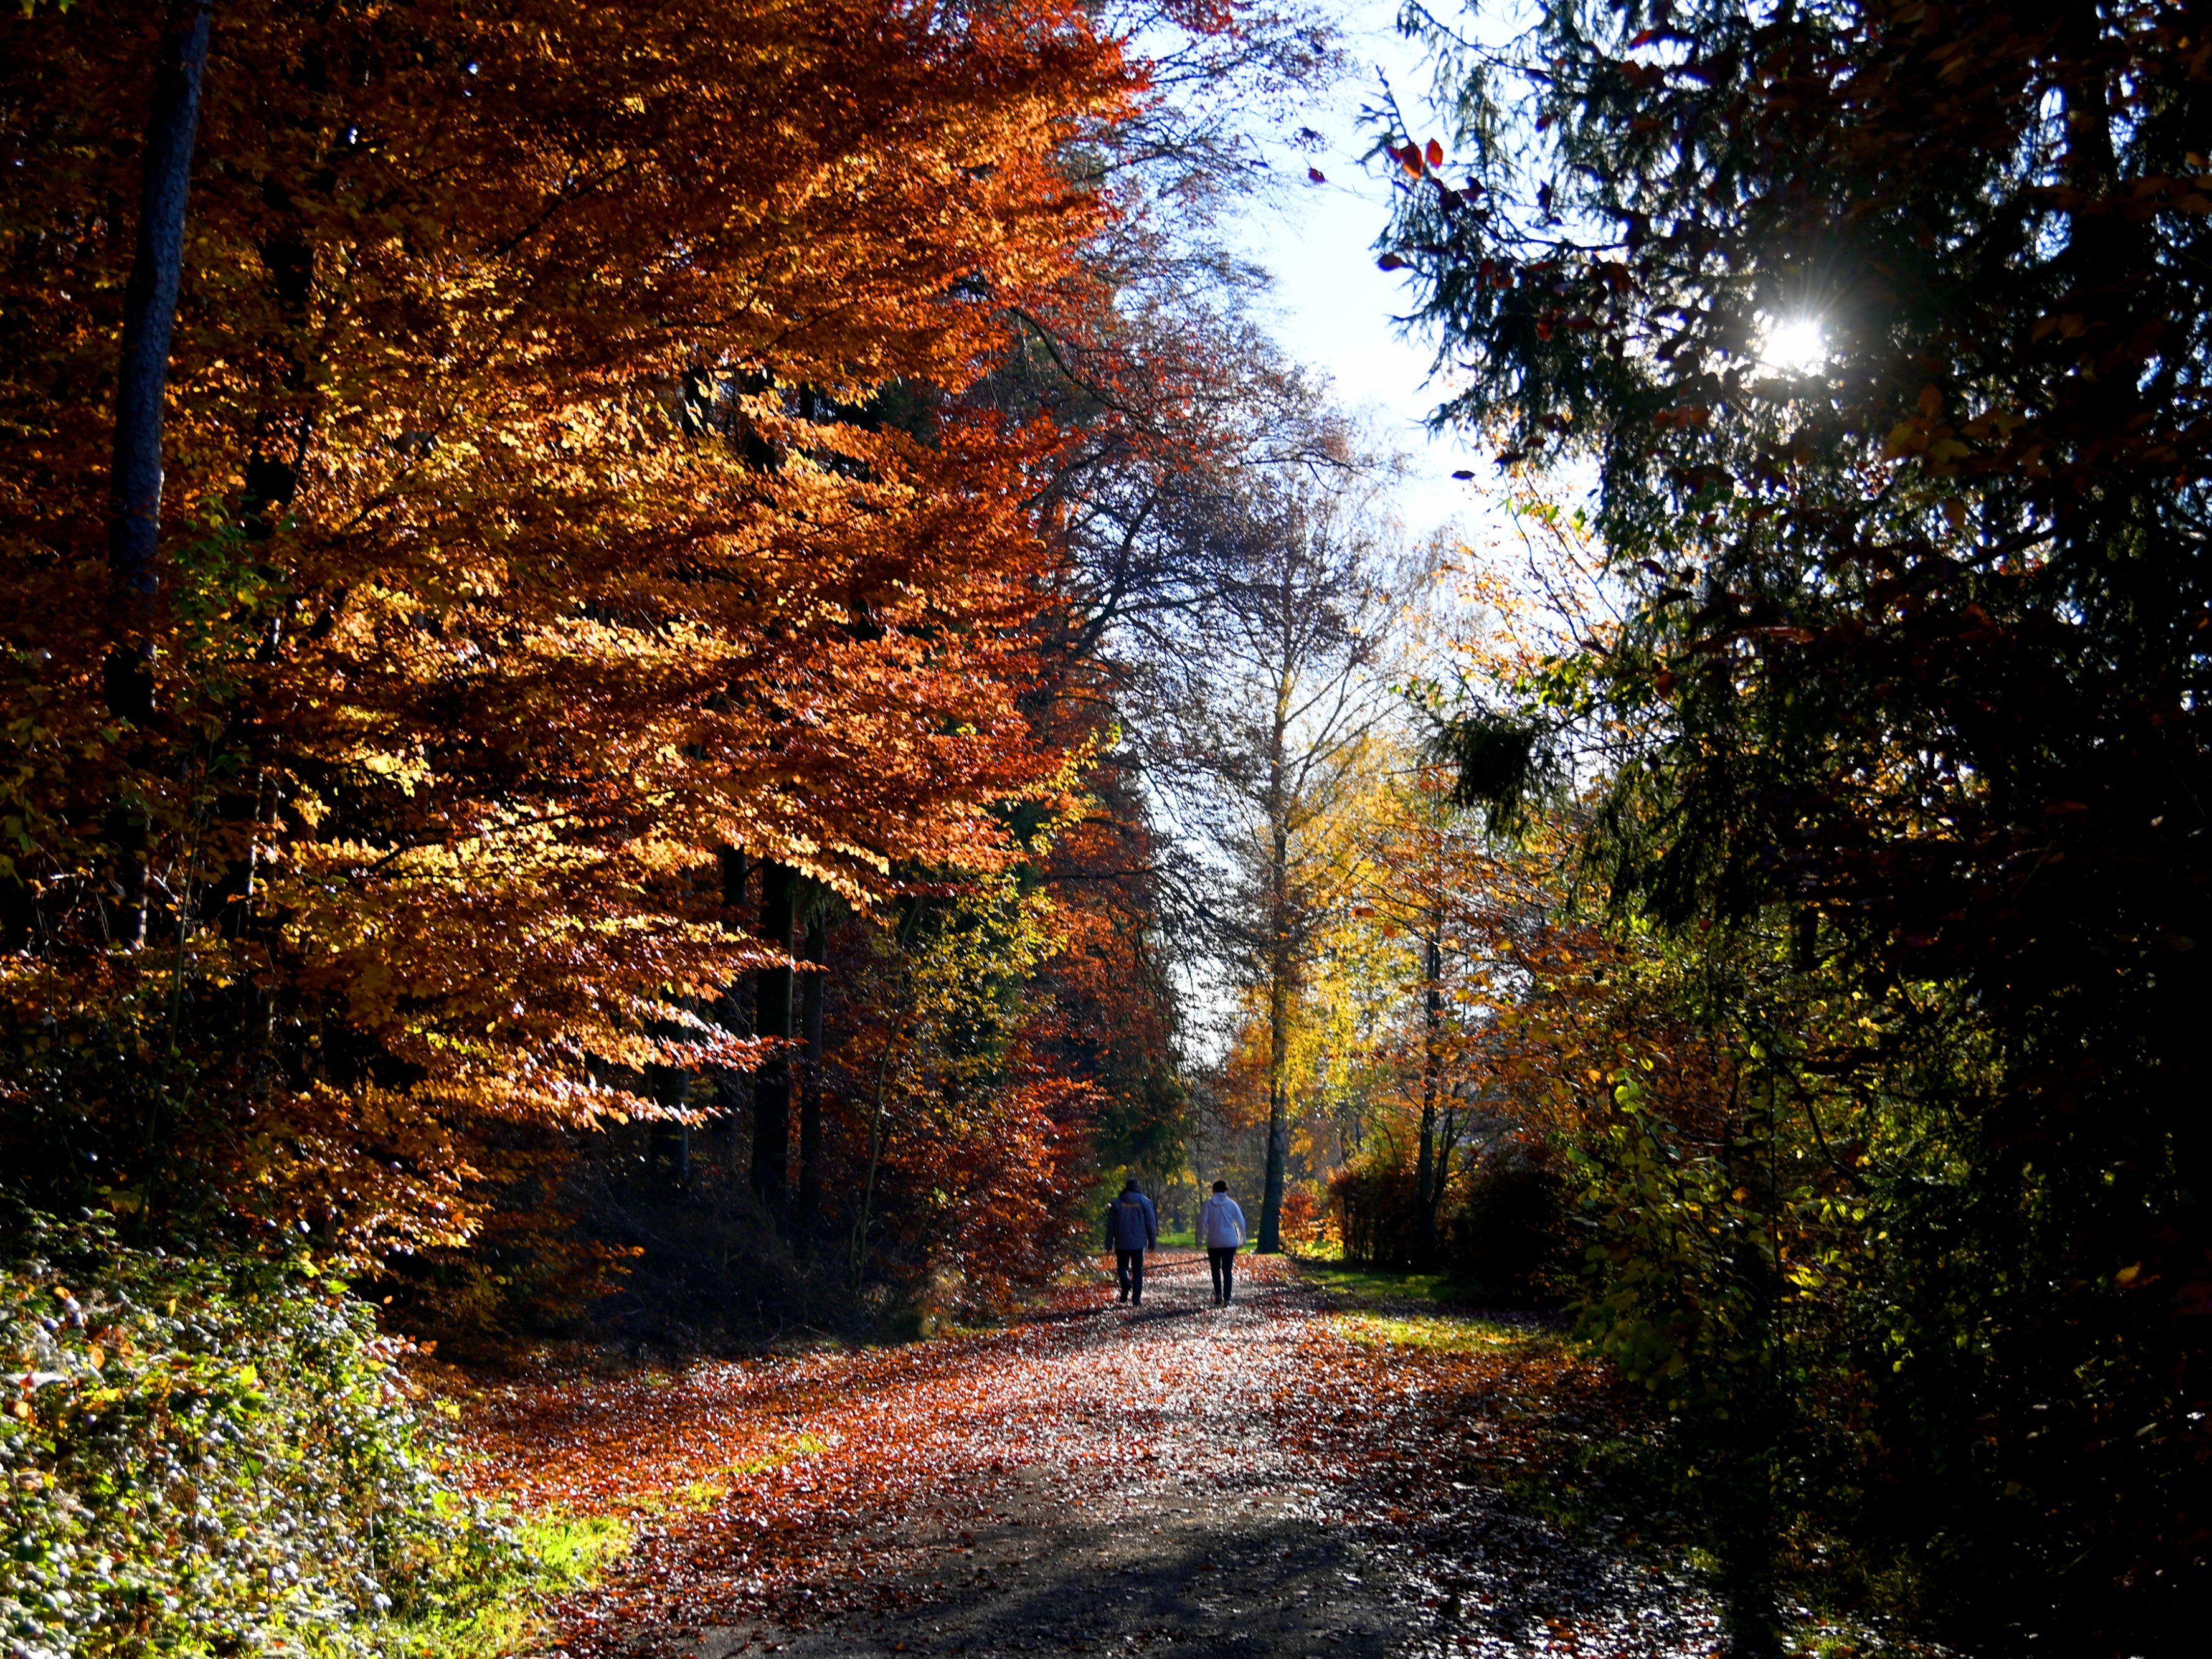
(1882, 328)
(569, 478)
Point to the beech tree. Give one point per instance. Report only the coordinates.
(540, 521)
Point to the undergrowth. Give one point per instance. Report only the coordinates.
(1572, 1446)
(215, 1456)
(557, 1553)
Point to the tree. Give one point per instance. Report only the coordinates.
(969, 1145)
(1451, 933)
(1885, 329)
(570, 482)
(1275, 704)
(149, 316)
(1421, 858)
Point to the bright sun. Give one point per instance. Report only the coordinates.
(1795, 346)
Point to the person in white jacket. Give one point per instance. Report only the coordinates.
(1221, 1229)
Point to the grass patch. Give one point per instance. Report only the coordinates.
(1384, 1285)
(1403, 1310)
(799, 1446)
(574, 1549)
(1437, 1332)
(558, 1554)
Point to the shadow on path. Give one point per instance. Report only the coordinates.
(1172, 1479)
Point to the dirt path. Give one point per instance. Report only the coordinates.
(1169, 1480)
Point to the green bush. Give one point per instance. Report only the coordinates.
(215, 1456)
(1507, 1233)
(1501, 1231)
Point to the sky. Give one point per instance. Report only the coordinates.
(1330, 306)
(1332, 309)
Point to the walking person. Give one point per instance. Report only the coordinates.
(1132, 1228)
(1221, 1229)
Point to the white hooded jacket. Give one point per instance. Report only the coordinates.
(1220, 1223)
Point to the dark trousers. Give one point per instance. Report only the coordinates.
(1223, 1261)
(1129, 1274)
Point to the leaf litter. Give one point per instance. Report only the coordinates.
(1279, 1477)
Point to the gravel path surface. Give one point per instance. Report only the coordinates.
(1173, 1479)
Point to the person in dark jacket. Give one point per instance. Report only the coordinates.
(1132, 1228)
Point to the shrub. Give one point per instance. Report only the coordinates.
(215, 1456)
(1507, 1232)
(1502, 1227)
(1380, 1219)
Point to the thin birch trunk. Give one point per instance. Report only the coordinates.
(1278, 963)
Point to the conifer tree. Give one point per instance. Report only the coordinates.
(1885, 328)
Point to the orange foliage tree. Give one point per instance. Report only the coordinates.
(569, 480)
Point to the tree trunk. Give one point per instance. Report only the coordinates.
(772, 1019)
(1739, 1442)
(734, 1088)
(1429, 1173)
(1279, 1121)
(810, 1070)
(671, 1154)
(1278, 975)
(150, 316)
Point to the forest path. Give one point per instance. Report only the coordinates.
(1173, 1479)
